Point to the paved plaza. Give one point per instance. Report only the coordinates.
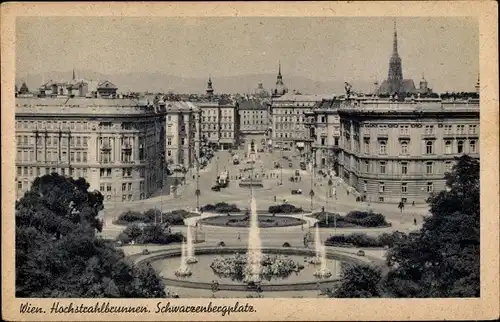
(276, 183)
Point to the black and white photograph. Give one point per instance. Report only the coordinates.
(243, 157)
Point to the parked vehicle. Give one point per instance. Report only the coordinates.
(216, 188)
(290, 164)
(296, 191)
(297, 172)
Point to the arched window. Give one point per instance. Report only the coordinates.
(404, 147)
(429, 147)
(383, 147)
(460, 146)
(472, 145)
(447, 147)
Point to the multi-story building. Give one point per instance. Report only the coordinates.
(288, 120)
(219, 123)
(117, 145)
(182, 133)
(400, 151)
(254, 122)
(323, 124)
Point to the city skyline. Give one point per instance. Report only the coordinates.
(358, 50)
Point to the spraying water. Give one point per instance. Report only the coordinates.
(183, 269)
(254, 255)
(320, 256)
(190, 259)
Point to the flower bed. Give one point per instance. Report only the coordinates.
(273, 266)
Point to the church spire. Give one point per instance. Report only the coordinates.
(395, 41)
(74, 77)
(279, 68)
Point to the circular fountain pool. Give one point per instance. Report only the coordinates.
(166, 263)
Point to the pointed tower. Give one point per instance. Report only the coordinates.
(210, 90)
(395, 76)
(280, 89)
(74, 76)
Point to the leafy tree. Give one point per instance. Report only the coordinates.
(443, 260)
(58, 253)
(359, 281)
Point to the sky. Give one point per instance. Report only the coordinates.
(444, 49)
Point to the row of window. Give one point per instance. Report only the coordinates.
(126, 172)
(289, 119)
(214, 126)
(53, 125)
(429, 147)
(429, 167)
(40, 171)
(428, 129)
(214, 119)
(404, 187)
(106, 156)
(253, 122)
(77, 141)
(222, 134)
(51, 156)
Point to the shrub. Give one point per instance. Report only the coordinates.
(363, 240)
(149, 234)
(352, 219)
(220, 207)
(286, 244)
(131, 216)
(284, 209)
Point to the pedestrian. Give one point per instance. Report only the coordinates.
(415, 221)
(239, 237)
(413, 203)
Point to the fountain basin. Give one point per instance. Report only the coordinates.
(205, 275)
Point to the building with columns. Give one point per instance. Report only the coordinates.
(117, 145)
(394, 151)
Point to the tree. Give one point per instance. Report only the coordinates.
(58, 253)
(359, 281)
(443, 259)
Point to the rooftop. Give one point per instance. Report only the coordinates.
(303, 98)
(251, 105)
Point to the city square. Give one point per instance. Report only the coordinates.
(227, 183)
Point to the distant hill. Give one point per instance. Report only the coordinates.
(159, 82)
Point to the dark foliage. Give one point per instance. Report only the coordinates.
(444, 259)
(149, 234)
(58, 253)
(220, 207)
(284, 209)
(359, 281)
(352, 219)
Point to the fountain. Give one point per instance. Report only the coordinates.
(323, 271)
(190, 259)
(183, 269)
(254, 256)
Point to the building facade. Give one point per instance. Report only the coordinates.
(254, 122)
(288, 119)
(400, 151)
(219, 123)
(322, 147)
(117, 145)
(182, 134)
